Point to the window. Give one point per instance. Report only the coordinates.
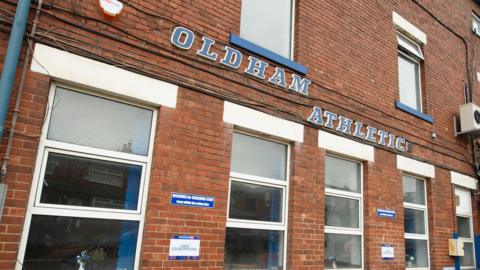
(415, 223)
(475, 25)
(89, 190)
(268, 23)
(257, 219)
(343, 214)
(409, 58)
(465, 227)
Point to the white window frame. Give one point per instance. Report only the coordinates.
(292, 32)
(468, 215)
(348, 195)
(415, 56)
(264, 181)
(424, 208)
(34, 207)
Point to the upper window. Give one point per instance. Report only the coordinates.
(475, 25)
(256, 225)
(409, 57)
(343, 214)
(415, 223)
(89, 197)
(268, 23)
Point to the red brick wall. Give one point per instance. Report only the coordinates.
(192, 155)
(351, 52)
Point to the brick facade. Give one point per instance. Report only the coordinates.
(350, 48)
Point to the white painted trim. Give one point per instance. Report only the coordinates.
(415, 167)
(279, 183)
(407, 28)
(463, 180)
(352, 196)
(262, 122)
(33, 209)
(345, 147)
(424, 209)
(69, 67)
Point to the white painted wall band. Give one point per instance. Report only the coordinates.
(103, 77)
(262, 122)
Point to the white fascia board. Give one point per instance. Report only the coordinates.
(409, 29)
(70, 67)
(463, 180)
(262, 122)
(415, 167)
(345, 147)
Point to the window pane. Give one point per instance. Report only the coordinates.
(55, 243)
(413, 190)
(467, 259)
(416, 253)
(343, 251)
(342, 174)
(410, 46)
(255, 202)
(342, 212)
(268, 24)
(97, 122)
(254, 156)
(253, 249)
(414, 221)
(89, 182)
(409, 82)
(463, 227)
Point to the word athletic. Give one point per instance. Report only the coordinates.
(357, 129)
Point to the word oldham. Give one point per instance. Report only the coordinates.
(357, 129)
(184, 38)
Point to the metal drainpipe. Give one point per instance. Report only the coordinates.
(11, 58)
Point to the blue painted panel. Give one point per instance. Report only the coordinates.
(457, 259)
(477, 248)
(249, 46)
(413, 112)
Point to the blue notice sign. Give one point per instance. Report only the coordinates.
(386, 213)
(192, 200)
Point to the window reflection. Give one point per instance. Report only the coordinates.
(79, 181)
(66, 243)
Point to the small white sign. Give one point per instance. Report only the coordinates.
(387, 252)
(184, 246)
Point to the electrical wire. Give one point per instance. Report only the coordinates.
(289, 100)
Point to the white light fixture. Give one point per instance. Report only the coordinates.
(111, 8)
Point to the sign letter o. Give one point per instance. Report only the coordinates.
(182, 38)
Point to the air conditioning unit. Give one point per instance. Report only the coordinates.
(469, 117)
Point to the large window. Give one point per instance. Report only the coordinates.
(409, 59)
(89, 190)
(343, 214)
(465, 227)
(257, 219)
(415, 223)
(268, 23)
